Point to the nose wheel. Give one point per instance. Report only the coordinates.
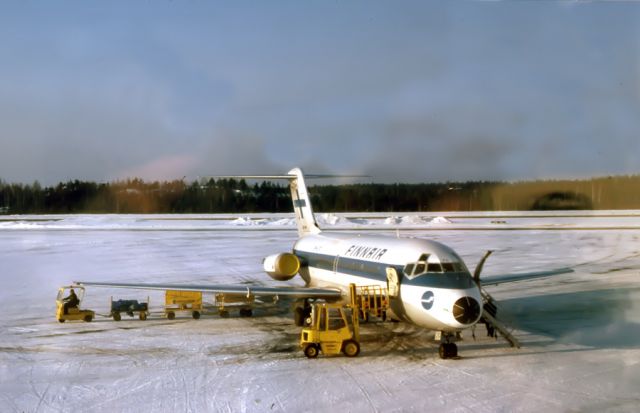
(448, 350)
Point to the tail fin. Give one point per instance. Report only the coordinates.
(305, 219)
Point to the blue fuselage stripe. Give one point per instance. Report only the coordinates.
(377, 271)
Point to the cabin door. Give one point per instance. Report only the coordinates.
(393, 282)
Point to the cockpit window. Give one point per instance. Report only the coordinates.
(408, 269)
(448, 267)
(434, 267)
(431, 264)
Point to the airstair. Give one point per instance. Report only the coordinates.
(372, 300)
(495, 326)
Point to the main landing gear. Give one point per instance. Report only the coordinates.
(448, 348)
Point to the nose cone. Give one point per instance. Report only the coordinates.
(466, 310)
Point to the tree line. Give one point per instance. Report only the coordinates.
(238, 196)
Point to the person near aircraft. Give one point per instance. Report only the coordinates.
(71, 301)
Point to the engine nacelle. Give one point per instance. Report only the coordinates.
(281, 267)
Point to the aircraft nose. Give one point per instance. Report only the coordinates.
(466, 310)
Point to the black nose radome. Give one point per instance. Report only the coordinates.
(466, 310)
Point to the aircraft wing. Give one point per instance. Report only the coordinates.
(507, 278)
(246, 290)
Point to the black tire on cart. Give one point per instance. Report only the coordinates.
(311, 351)
(351, 348)
(88, 318)
(223, 313)
(195, 315)
(171, 315)
(143, 315)
(116, 316)
(61, 320)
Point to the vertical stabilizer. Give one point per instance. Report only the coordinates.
(305, 219)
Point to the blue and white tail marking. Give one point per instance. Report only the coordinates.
(305, 219)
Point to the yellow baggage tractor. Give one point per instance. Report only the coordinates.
(68, 308)
(176, 301)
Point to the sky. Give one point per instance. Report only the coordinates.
(401, 91)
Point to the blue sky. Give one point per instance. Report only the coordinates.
(403, 91)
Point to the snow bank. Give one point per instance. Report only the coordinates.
(416, 220)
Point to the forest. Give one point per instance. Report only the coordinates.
(231, 196)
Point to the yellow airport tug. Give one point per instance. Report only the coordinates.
(68, 308)
(333, 329)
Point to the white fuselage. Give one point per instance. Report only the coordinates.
(435, 290)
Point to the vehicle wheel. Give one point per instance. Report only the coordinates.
(246, 312)
(171, 315)
(351, 348)
(88, 318)
(61, 320)
(311, 351)
(223, 313)
(116, 317)
(195, 315)
(143, 315)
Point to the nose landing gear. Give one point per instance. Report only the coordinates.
(448, 349)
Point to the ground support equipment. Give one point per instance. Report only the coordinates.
(183, 301)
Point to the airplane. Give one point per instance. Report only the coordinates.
(429, 284)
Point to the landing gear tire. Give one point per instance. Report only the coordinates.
(448, 350)
(311, 351)
(195, 315)
(171, 315)
(116, 317)
(351, 348)
(246, 312)
(61, 320)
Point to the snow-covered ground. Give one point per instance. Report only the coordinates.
(580, 331)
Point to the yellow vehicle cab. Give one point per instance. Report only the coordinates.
(68, 305)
